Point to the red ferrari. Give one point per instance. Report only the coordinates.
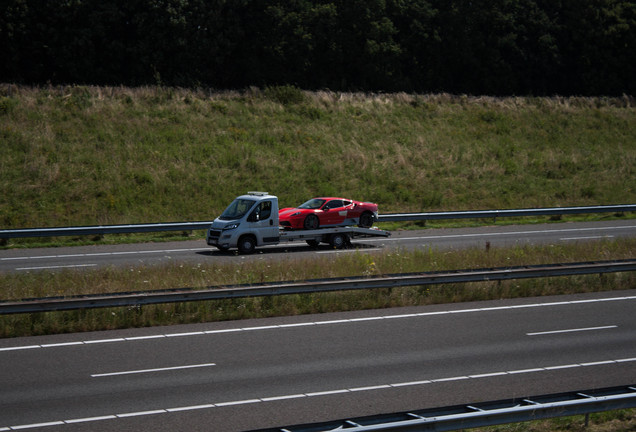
(328, 212)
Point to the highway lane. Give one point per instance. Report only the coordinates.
(251, 374)
(194, 252)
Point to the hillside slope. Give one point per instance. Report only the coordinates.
(97, 155)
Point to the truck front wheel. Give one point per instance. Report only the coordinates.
(247, 244)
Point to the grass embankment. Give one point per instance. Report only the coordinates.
(608, 421)
(179, 275)
(87, 156)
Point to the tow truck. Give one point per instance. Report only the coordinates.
(251, 221)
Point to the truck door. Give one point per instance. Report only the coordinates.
(262, 220)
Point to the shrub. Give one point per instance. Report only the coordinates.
(285, 95)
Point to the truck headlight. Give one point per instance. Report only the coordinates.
(231, 226)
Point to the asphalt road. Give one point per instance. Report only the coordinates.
(245, 375)
(86, 257)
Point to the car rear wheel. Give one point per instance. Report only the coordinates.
(366, 220)
(311, 222)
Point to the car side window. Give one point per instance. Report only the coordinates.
(333, 204)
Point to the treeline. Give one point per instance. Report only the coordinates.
(497, 47)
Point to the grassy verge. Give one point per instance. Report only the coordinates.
(608, 421)
(98, 155)
(68, 282)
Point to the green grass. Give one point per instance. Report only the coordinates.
(607, 421)
(91, 155)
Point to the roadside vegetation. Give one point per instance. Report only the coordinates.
(108, 155)
(607, 421)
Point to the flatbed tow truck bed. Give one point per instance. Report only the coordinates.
(351, 231)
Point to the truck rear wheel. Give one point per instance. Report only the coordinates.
(247, 244)
(338, 241)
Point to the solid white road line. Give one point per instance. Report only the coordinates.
(585, 238)
(102, 254)
(338, 251)
(152, 370)
(318, 394)
(499, 234)
(571, 330)
(56, 267)
(309, 323)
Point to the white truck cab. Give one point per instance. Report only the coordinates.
(251, 220)
(252, 217)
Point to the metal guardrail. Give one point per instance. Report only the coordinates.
(314, 286)
(483, 214)
(390, 217)
(103, 229)
(483, 414)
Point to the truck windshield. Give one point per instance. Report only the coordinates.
(237, 209)
(312, 204)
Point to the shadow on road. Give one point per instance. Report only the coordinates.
(288, 248)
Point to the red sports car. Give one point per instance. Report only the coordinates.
(328, 212)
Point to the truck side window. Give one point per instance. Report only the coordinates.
(262, 212)
(266, 210)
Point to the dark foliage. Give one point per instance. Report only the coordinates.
(497, 47)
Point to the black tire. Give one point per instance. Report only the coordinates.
(313, 243)
(247, 244)
(338, 241)
(311, 222)
(366, 220)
